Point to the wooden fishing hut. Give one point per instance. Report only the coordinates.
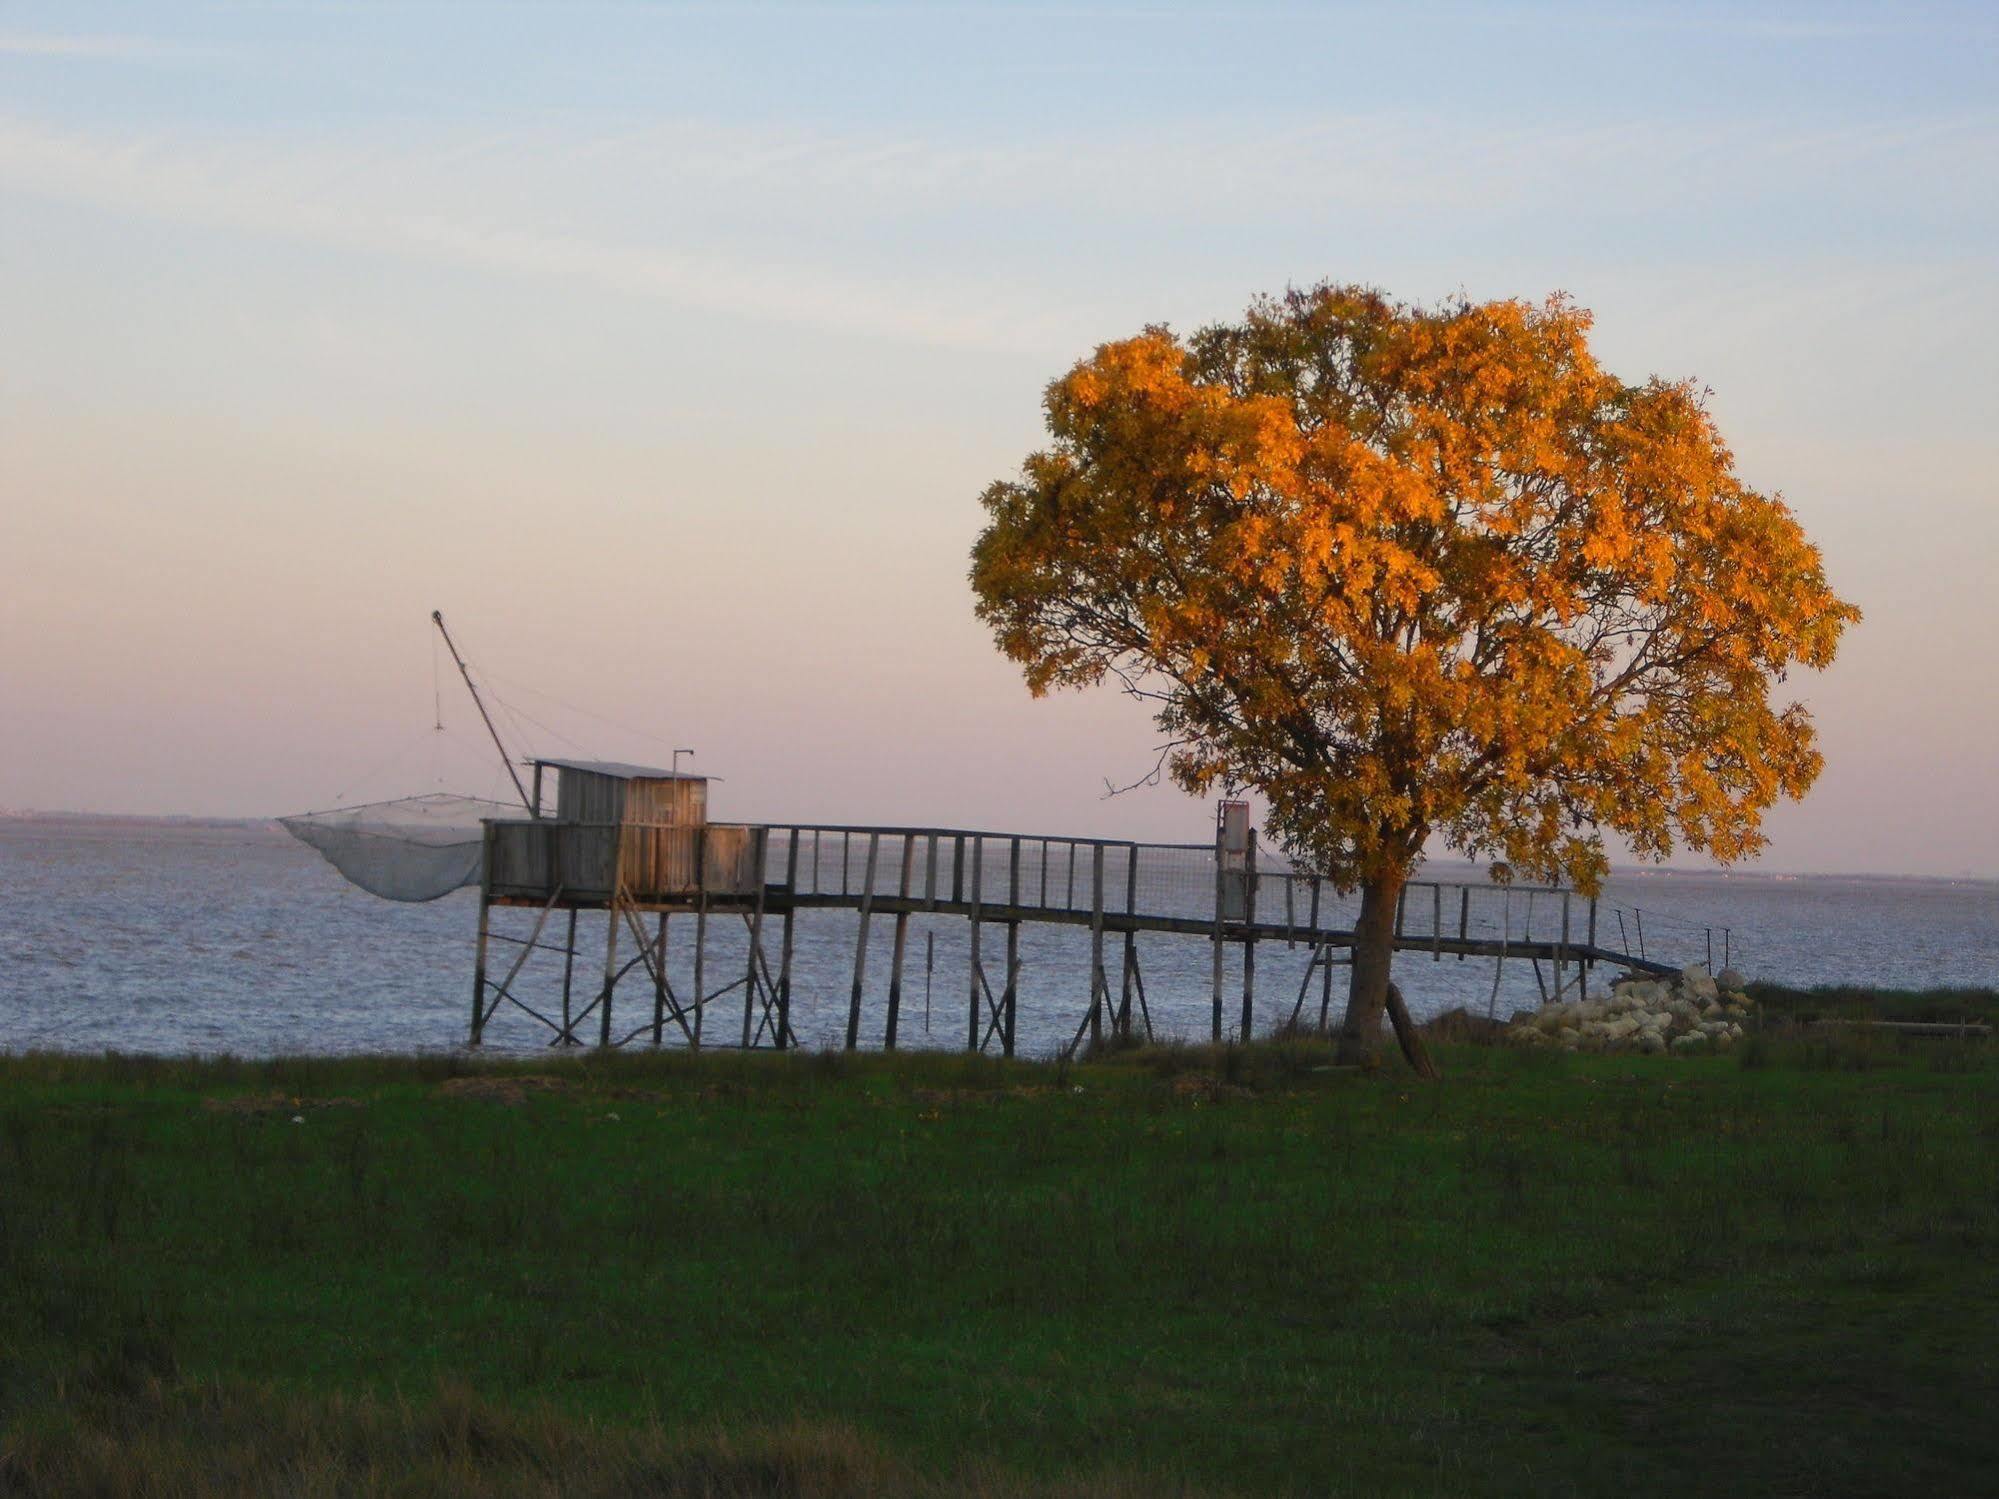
(632, 841)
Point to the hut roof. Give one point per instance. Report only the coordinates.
(620, 771)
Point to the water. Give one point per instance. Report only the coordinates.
(190, 938)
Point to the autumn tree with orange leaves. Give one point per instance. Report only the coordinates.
(1415, 573)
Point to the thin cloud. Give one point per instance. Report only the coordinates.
(326, 198)
(141, 49)
(933, 241)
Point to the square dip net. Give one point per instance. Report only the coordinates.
(413, 849)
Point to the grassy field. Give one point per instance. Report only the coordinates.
(1183, 1271)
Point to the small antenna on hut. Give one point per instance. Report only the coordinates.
(437, 618)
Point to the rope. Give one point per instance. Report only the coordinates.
(548, 697)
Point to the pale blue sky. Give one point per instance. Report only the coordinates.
(667, 347)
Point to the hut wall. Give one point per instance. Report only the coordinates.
(676, 803)
(583, 796)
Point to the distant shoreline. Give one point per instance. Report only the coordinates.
(15, 819)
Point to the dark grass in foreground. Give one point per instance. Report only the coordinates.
(1228, 1271)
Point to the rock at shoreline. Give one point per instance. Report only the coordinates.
(1690, 1015)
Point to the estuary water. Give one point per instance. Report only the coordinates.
(209, 938)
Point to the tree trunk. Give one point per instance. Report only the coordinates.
(1373, 951)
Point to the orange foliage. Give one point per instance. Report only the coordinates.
(1412, 572)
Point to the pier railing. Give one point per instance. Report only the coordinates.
(1159, 886)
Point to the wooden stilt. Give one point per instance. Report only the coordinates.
(1130, 942)
(1249, 941)
(1216, 1035)
(1562, 952)
(978, 876)
(1408, 1037)
(901, 941)
(1589, 965)
(659, 984)
(610, 973)
(476, 1034)
(861, 946)
(568, 973)
(1326, 986)
(784, 1036)
(1499, 963)
(1138, 985)
(1248, 986)
(1099, 985)
(1010, 1000)
(1305, 984)
(750, 971)
(700, 962)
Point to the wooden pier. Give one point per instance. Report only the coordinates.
(643, 873)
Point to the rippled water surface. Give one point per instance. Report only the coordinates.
(192, 938)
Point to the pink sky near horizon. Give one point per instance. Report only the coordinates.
(699, 464)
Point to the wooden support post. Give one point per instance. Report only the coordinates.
(1130, 942)
(1589, 963)
(1408, 1037)
(974, 975)
(1138, 983)
(568, 972)
(1099, 985)
(861, 946)
(1562, 949)
(1216, 1033)
(1499, 963)
(756, 948)
(1464, 918)
(477, 1032)
(659, 985)
(1010, 1000)
(1326, 988)
(700, 959)
(784, 961)
(1436, 923)
(901, 940)
(1249, 940)
(610, 971)
(700, 935)
(1248, 984)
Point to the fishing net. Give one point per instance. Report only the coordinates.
(417, 848)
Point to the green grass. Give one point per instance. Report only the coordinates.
(1183, 1270)
(1864, 1002)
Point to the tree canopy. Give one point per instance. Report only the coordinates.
(1415, 572)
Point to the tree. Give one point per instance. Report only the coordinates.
(1415, 573)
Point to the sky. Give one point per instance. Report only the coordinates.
(667, 347)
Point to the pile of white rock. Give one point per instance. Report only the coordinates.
(1692, 1014)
